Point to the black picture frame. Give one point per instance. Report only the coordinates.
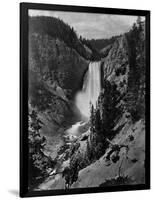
(24, 7)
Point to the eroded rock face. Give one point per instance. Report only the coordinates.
(49, 55)
(116, 65)
(55, 74)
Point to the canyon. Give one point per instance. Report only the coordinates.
(89, 104)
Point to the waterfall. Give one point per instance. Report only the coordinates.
(91, 89)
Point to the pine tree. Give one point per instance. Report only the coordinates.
(38, 162)
(92, 117)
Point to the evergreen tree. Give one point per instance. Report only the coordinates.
(135, 97)
(39, 163)
(92, 118)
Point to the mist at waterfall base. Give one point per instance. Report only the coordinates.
(90, 92)
(91, 89)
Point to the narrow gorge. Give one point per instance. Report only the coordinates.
(86, 107)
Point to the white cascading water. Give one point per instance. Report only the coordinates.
(91, 89)
(90, 92)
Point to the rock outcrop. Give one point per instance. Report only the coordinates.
(116, 65)
(56, 73)
(127, 168)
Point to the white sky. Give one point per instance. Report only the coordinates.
(91, 25)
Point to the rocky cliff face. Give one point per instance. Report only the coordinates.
(116, 65)
(55, 74)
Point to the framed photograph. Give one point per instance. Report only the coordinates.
(84, 99)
